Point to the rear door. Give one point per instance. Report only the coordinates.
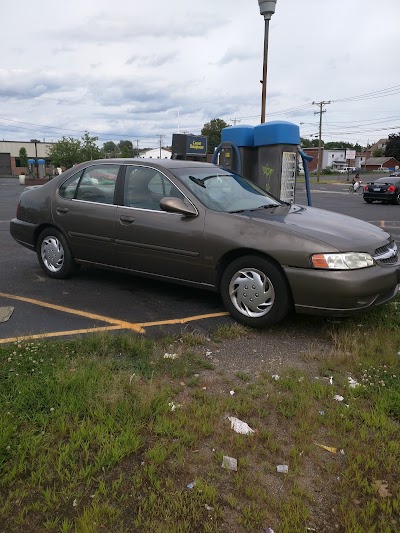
(154, 241)
(84, 208)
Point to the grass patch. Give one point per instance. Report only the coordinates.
(106, 433)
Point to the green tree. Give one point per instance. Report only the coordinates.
(89, 148)
(110, 149)
(213, 131)
(393, 146)
(69, 151)
(305, 143)
(378, 152)
(66, 152)
(23, 157)
(125, 148)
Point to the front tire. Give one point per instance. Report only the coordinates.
(255, 291)
(54, 254)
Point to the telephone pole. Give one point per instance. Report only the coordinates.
(137, 147)
(321, 105)
(235, 120)
(161, 138)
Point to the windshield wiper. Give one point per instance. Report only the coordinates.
(269, 206)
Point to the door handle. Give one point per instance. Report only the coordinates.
(61, 210)
(126, 219)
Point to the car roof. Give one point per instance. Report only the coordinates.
(165, 163)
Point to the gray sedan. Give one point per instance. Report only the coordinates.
(197, 224)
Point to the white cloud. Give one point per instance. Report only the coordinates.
(129, 69)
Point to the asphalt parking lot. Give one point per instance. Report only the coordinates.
(97, 300)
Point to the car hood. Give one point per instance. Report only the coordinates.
(340, 231)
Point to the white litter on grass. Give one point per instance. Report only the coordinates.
(275, 377)
(231, 392)
(230, 463)
(338, 398)
(331, 380)
(352, 382)
(170, 356)
(239, 426)
(208, 508)
(75, 503)
(174, 406)
(283, 469)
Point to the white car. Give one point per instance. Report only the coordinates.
(344, 170)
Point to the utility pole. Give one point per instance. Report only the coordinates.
(321, 105)
(234, 120)
(137, 147)
(161, 138)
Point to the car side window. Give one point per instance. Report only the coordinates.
(97, 184)
(145, 187)
(68, 188)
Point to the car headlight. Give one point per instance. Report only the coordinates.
(345, 261)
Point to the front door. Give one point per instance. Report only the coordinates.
(154, 241)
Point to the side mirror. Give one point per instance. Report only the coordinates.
(177, 205)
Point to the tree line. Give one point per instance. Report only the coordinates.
(69, 151)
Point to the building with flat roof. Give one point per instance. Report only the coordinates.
(10, 164)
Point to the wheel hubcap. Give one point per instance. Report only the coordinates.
(52, 254)
(252, 292)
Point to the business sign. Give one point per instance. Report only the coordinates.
(350, 154)
(196, 145)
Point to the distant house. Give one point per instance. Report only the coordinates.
(157, 153)
(377, 163)
(380, 145)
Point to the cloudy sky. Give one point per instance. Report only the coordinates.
(137, 70)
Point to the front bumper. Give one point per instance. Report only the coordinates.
(342, 292)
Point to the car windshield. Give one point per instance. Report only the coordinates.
(221, 190)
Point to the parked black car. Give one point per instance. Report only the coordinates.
(385, 190)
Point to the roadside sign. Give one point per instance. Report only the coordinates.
(350, 154)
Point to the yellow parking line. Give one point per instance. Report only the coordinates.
(57, 334)
(179, 320)
(122, 323)
(118, 324)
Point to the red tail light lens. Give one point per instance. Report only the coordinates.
(392, 188)
(366, 188)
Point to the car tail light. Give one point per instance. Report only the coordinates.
(366, 188)
(392, 188)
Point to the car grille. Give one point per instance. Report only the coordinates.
(387, 255)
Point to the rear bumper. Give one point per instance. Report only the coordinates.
(23, 232)
(383, 197)
(342, 293)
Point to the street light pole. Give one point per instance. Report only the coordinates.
(267, 9)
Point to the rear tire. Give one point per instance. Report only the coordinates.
(54, 254)
(255, 291)
(368, 200)
(397, 201)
